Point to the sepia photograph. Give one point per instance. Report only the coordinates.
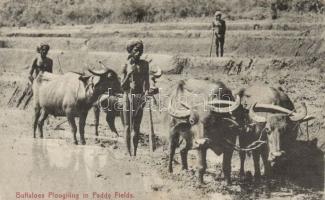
(162, 99)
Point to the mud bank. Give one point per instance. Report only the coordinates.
(241, 45)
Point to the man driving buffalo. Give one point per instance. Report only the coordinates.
(135, 84)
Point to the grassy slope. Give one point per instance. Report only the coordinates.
(60, 12)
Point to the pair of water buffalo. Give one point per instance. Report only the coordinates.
(206, 115)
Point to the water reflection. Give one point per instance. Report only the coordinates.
(56, 166)
(61, 167)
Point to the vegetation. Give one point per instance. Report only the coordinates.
(60, 12)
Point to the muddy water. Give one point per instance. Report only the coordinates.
(51, 167)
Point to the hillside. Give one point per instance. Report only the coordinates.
(61, 12)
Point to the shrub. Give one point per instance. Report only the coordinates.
(307, 5)
(22, 12)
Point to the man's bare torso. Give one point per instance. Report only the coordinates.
(138, 81)
(42, 64)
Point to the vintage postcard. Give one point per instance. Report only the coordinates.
(162, 99)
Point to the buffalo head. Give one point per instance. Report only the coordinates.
(204, 115)
(276, 124)
(100, 82)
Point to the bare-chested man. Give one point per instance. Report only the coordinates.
(41, 63)
(135, 84)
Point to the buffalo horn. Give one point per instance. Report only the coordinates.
(157, 73)
(307, 118)
(254, 116)
(99, 72)
(177, 113)
(299, 116)
(294, 116)
(271, 107)
(233, 105)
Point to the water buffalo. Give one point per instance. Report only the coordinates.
(202, 115)
(70, 95)
(270, 117)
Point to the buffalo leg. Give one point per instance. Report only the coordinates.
(173, 143)
(82, 123)
(96, 114)
(256, 159)
(267, 170)
(226, 165)
(202, 159)
(42, 118)
(267, 165)
(242, 156)
(110, 119)
(37, 112)
(73, 126)
(184, 153)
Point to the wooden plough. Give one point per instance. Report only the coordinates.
(21, 97)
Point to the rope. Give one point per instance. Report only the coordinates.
(258, 143)
(307, 130)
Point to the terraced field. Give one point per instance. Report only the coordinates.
(290, 55)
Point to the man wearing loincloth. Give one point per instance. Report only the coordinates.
(219, 28)
(135, 85)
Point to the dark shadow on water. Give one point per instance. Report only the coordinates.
(303, 165)
(300, 172)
